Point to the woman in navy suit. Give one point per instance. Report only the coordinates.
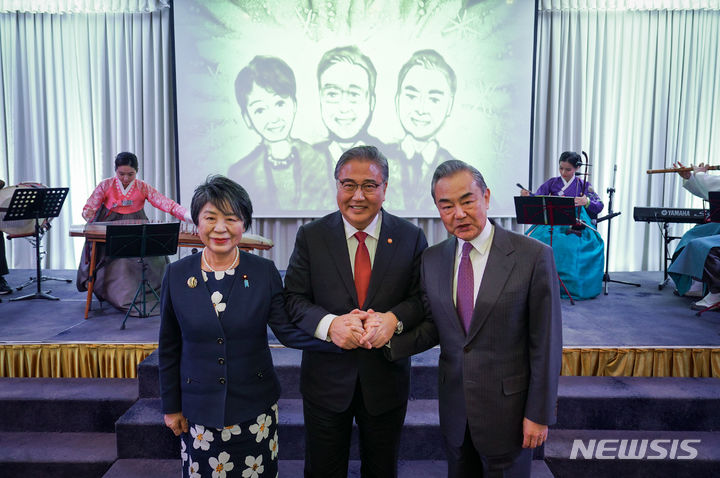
(218, 385)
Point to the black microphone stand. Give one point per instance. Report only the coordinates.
(610, 215)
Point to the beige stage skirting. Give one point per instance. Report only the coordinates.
(121, 361)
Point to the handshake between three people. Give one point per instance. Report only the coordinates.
(365, 329)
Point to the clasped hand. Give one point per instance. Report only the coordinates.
(359, 328)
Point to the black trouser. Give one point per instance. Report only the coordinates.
(3, 262)
(711, 270)
(327, 440)
(466, 462)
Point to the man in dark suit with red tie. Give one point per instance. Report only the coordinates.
(494, 307)
(354, 270)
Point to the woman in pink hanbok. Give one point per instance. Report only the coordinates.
(123, 197)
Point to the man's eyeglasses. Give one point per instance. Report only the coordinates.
(349, 186)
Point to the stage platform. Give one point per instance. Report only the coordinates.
(633, 331)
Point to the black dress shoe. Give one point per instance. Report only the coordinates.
(4, 287)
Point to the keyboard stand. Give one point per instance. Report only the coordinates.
(667, 239)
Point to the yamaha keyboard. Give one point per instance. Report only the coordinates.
(663, 214)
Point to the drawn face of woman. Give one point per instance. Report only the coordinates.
(126, 175)
(269, 114)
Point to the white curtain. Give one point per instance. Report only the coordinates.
(77, 89)
(637, 86)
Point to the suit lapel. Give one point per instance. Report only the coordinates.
(383, 256)
(338, 251)
(198, 294)
(497, 271)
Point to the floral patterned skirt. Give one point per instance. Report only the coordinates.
(247, 450)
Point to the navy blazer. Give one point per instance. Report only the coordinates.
(507, 366)
(319, 281)
(221, 373)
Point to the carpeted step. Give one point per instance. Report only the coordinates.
(666, 453)
(142, 468)
(141, 432)
(638, 403)
(64, 404)
(59, 455)
(424, 378)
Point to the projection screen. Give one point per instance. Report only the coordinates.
(271, 92)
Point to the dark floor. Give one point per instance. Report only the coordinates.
(628, 316)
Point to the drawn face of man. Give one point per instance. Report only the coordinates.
(345, 99)
(269, 114)
(423, 102)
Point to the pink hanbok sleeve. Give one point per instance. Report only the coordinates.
(161, 202)
(96, 199)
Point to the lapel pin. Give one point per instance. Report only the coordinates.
(245, 280)
(389, 240)
(192, 282)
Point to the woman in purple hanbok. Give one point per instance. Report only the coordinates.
(578, 254)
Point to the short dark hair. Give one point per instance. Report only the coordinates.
(452, 167)
(126, 159)
(364, 153)
(222, 192)
(430, 60)
(269, 73)
(571, 157)
(352, 55)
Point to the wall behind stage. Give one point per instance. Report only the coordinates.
(466, 95)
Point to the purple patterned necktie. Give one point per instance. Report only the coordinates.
(465, 287)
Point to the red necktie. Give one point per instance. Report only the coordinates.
(465, 289)
(362, 268)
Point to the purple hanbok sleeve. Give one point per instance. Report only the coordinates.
(595, 205)
(546, 188)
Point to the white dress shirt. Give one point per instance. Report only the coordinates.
(371, 241)
(478, 257)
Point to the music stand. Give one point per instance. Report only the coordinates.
(141, 241)
(547, 211)
(33, 204)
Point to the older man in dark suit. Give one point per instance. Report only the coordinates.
(493, 306)
(355, 269)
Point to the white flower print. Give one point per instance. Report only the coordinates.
(193, 468)
(204, 275)
(274, 447)
(183, 451)
(202, 437)
(274, 408)
(262, 427)
(219, 305)
(227, 432)
(254, 467)
(219, 275)
(220, 465)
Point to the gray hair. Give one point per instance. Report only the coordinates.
(452, 167)
(364, 153)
